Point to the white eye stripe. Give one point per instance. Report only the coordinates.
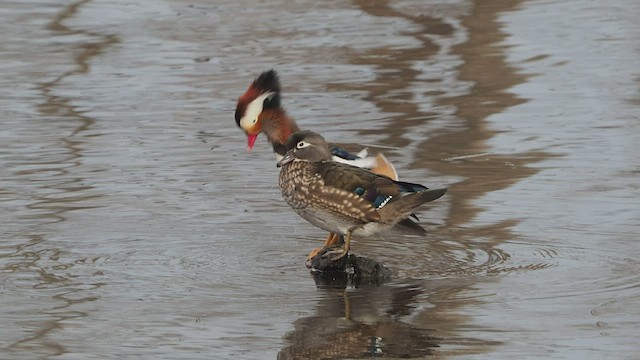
(302, 144)
(253, 110)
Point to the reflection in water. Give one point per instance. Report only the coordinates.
(363, 324)
(50, 167)
(466, 100)
(376, 322)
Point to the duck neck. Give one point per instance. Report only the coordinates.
(278, 126)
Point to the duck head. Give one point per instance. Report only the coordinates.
(263, 95)
(306, 146)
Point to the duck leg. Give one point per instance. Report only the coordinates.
(347, 242)
(341, 251)
(332, 239)
(329, 238)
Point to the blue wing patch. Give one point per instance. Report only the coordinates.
(376, 199)
(342, 153)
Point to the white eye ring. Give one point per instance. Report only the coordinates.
(302, 144)
(254, 121)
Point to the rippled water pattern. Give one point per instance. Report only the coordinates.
(134, 225)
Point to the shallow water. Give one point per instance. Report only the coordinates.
(135, 225)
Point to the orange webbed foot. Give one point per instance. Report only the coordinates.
(313, 253)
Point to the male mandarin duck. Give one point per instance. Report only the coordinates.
(259, 111)
(341, 198)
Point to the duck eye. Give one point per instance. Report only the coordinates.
(302, 144)
(254, 121)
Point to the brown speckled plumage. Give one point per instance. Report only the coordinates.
(341, 198)
(305, 190)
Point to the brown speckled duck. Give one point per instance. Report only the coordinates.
(341, 198)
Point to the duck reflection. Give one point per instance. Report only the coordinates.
(362, 323)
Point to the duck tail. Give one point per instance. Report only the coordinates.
(398, 210)
(407, 187)
(410, 227)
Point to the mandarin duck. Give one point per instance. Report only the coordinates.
(342, 198)
(259, 111)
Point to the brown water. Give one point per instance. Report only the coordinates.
(134, 224)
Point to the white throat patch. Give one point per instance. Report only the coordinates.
(253, 110)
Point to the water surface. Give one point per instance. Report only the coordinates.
(134, 224)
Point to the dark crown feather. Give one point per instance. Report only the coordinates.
(268, 81)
